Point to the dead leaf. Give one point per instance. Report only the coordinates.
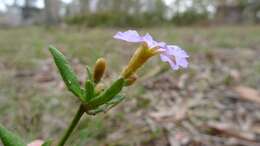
(248, 93)
(172, 115)
(227, 130)
(41, 78)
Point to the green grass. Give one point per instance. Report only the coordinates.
(43, 109)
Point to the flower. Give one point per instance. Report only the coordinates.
(172, 54)
(175, 56)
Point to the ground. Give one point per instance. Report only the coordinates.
(213, 103)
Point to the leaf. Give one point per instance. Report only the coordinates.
(47, 143)
(66, 72)
(168, 115)
(116, 100)
(108, 94)
(90, 75)
(248, 93)
(228, 130)
(10, 139)
(107, 106)
(89, 90)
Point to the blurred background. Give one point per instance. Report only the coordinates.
(138, 13)
(215, 102)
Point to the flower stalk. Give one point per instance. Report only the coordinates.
(72, 125)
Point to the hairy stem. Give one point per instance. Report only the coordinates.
(72, 125)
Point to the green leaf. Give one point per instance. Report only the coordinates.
(90, 75)
(107, 106)
(10, 139)
(113, 102)
(47, 143)
(66, 72)
(89, 90)
(108, 94)
(117, 99)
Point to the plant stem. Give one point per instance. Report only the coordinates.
(72, 125)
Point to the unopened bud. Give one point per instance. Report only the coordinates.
(131, 80)
(99, 88)
(99, 69)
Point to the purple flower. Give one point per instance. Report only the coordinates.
(172, 54)
(175, 56)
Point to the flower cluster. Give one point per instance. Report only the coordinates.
(172, 54)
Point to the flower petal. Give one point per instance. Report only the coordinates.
(166, 58)
(149, 40)
(129, 36)
(175, 56)
(134, 37)
(173, 49)
(182, 62)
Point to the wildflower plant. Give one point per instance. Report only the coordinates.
(93, 97)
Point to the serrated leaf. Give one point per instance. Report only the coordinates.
(108, 94)
(66, 72)
(89, 90)
(10, 139)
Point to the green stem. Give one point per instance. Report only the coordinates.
(72, 125)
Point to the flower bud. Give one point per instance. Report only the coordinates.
(131, 80)
(99, 88)
(99, 69)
